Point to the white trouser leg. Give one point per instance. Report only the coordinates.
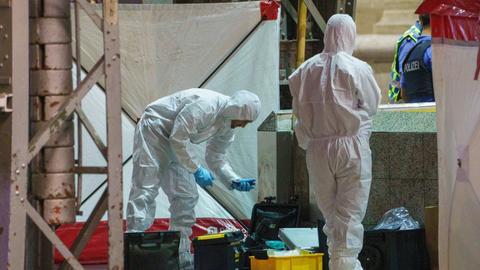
(181, 190)
(343, 201)
(141, 203)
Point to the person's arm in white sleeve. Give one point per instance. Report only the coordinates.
(294, 83)
(367, 91)
(216, 159)
(187, 123)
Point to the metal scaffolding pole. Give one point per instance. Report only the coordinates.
(114, 132)
(14, 74)
(14, 121)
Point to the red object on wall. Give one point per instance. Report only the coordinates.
(269, 10)
(454, 21)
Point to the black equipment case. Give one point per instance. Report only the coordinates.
(266, 221)
(218, 251)
(394, 250)
(152, 250)
(268, 218)
(387, 250)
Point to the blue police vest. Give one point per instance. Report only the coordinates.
(417, 79)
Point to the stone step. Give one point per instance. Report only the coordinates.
(395, 21)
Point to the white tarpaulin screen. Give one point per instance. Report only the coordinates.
(167, 48)
(456, 63)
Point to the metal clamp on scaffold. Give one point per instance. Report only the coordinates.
(6, 103)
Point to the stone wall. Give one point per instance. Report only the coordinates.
(404, 174)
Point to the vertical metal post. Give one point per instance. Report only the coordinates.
(14, 74)
(301, 32)
(78, 54)
(114, 132)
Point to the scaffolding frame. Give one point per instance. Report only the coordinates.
(14, 128)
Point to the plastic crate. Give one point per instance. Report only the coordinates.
(300, 262)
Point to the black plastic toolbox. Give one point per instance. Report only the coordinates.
(268, 218)
(394, 250)
(152, 250)
(218, 251)
(387, 250)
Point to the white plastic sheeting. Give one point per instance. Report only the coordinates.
(456, 70)
(166, 48)
(458, 121)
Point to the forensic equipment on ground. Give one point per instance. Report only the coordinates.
(268, 218)
(394, 250)
(152, 250)
(287, 260)
(299, 238)
(218, 251)
(334, 99)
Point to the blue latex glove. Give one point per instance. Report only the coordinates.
(244, 184)
(203, 177)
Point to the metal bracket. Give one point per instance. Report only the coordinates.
(317, 17)
(290, 10)
(6, 103)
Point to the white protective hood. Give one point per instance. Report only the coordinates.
(243, 105)
(340, 35)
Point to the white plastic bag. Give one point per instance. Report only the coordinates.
(397, 219)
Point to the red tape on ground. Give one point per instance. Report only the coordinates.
(96, 251)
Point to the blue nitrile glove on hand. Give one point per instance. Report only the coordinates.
(244, 184)
(203, 177)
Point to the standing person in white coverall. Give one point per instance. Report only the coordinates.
(161, 158)
(334, 98)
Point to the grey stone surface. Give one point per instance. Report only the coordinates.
(397, 121)
(380, 145)
(431, 192)
(406, 152)
(430, 156)
(379, 201)
(409, 194)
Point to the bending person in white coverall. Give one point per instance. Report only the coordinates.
(161, 158)
(334, 98)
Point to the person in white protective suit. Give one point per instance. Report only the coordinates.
(161, 158)
(334, 98)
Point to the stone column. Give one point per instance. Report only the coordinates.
(397, 17)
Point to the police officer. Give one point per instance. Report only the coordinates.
(416, 80)
(402, 47)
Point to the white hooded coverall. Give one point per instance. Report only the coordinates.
(335, 96)
(161, 158)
